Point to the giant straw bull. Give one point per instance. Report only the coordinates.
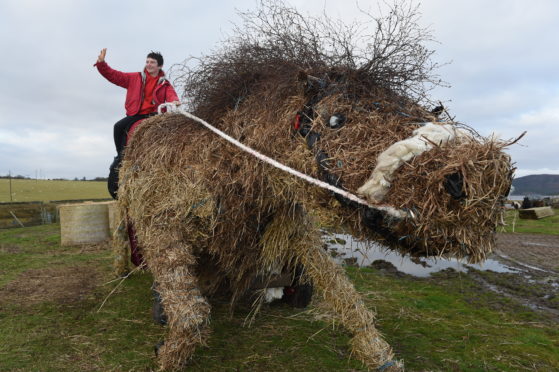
(203, 207)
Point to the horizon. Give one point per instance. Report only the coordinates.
(104, 178)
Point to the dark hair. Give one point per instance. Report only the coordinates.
(157, 56)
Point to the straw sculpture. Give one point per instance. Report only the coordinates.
(202, 208)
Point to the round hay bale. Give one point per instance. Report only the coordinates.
(84, 223)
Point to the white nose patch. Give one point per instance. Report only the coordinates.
(393, 157)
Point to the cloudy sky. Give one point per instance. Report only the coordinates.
(57, 112)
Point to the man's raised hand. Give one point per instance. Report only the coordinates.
(102, 55)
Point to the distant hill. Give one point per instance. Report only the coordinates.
(541, 184)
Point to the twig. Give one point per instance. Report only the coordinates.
(516, 140)
(118, 285)
(17, 219)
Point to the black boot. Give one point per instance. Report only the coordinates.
(157, 346)
(112, 182)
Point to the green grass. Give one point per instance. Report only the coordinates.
(443, 323)
(449, 323)
(43, 190)
(548, 225)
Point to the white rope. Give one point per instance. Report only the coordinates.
(171, 107)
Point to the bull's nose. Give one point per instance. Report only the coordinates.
(454, 185)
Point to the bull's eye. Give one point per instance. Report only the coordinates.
(337, 121)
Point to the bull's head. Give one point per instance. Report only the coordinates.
(448, 181)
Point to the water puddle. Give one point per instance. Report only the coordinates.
(526, 302)
(345, 249)
(522, 263)
(534, 244)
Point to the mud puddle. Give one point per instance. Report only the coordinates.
(505, 273)
(345, 249)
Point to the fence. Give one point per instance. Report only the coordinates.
(33, 213)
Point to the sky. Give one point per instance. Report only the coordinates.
(57, 112)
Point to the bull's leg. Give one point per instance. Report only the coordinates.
(291, 234)
(342, 300)
(172, 263)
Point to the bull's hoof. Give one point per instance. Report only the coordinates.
(159, 316)
(157, 311)
(391, 366)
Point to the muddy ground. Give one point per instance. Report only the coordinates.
(527, 270)
(535, 281)
(532, 249)
(63, 285)
(531, 262)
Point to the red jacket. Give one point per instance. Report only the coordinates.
(134, 82)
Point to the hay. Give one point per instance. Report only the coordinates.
(202, 208)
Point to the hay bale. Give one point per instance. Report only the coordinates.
(535, 213)
(114, 216)
(85, 223)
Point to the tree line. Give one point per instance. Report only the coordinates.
(20, 177)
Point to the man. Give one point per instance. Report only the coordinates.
(145, 91)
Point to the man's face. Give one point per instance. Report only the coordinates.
(152, 67)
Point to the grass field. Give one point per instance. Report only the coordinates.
(548, 225)
(44, 190)
(49, 320)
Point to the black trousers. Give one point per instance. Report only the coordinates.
(120, 133)
(121, 129)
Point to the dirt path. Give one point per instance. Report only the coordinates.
(534, 279)
(532, 249)
(62, 285)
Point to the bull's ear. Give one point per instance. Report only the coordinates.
(302, 81)
(310, 83)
